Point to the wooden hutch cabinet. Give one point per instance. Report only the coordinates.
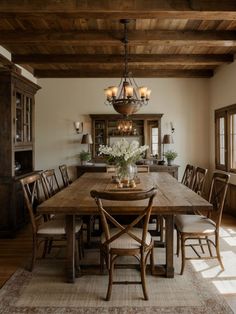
(17, 147)
(105, 131)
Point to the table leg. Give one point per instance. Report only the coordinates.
(70, 236)
(169, 246)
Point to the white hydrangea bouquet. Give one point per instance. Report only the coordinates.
(123, 154)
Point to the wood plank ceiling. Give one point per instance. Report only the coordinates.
(72, 38)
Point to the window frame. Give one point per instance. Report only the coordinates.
(225, 113)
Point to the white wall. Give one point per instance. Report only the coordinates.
(222, 93)
(60, 102)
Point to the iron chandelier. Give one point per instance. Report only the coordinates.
(127, 98)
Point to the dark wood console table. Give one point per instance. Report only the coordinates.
(101, 167)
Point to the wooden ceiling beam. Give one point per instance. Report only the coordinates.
(178, 9)
(142, 59)
(107, 74)
(151, 37)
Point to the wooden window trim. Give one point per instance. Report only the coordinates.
(225, 113)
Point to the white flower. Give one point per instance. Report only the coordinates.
(123, 151)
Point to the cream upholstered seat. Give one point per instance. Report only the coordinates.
(57, 227)
(199, 227)
(194, 224)
(125, 240)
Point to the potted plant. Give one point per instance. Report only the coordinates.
(170, 156)
(84, 157)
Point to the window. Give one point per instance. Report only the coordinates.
(154, 141)
(225, 138)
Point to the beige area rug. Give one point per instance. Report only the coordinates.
(45, 291)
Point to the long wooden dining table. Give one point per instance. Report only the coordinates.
(172, 199)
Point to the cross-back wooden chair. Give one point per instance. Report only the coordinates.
(188, 176)
(199, 180)
(64, 175)
(43, 231)
(87, 219)
(143, 168)
(199, 227)
(51, 182)
(110, 169)
(125, 240)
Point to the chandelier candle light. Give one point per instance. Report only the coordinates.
(127, 98)
(124, 155)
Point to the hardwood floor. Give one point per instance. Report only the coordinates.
(15, 253)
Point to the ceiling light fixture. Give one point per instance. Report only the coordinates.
(127, 98)
(125, 126)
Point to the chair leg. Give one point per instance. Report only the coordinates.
(201, 246)
(143, 275)
(49, 246)
(101, 262)
(218, 251)
(45, 248)
(182, 253)
(111, 269)
(89, 230)
(152, 261)
(34, 254)
(178, 243)
(209, 247)
(161, 228)
(77, 265)
(81, 244)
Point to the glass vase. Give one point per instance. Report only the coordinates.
(126, 172)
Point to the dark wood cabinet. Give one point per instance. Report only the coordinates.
(17, 147)
(105, 131)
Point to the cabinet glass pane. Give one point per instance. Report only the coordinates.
(19, 117)
(28, 119)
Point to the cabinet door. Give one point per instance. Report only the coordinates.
(23, 118)
(100, 135)
(19, 117)
(28, 117)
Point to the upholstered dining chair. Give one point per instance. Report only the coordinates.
(199, 227)
(199, 180)
(43, 230)
(64, 175)
(188, 176)
(88, 220)
(125, 240)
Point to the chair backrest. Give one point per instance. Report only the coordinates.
(124, 229)
(188, 176)
(199, 180)
(217, 194)
(142, 168)
(51, 182)
(64, 175)
(110, 169)
(34, 194)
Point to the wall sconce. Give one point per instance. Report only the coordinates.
(172, 127)
(78, 127)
